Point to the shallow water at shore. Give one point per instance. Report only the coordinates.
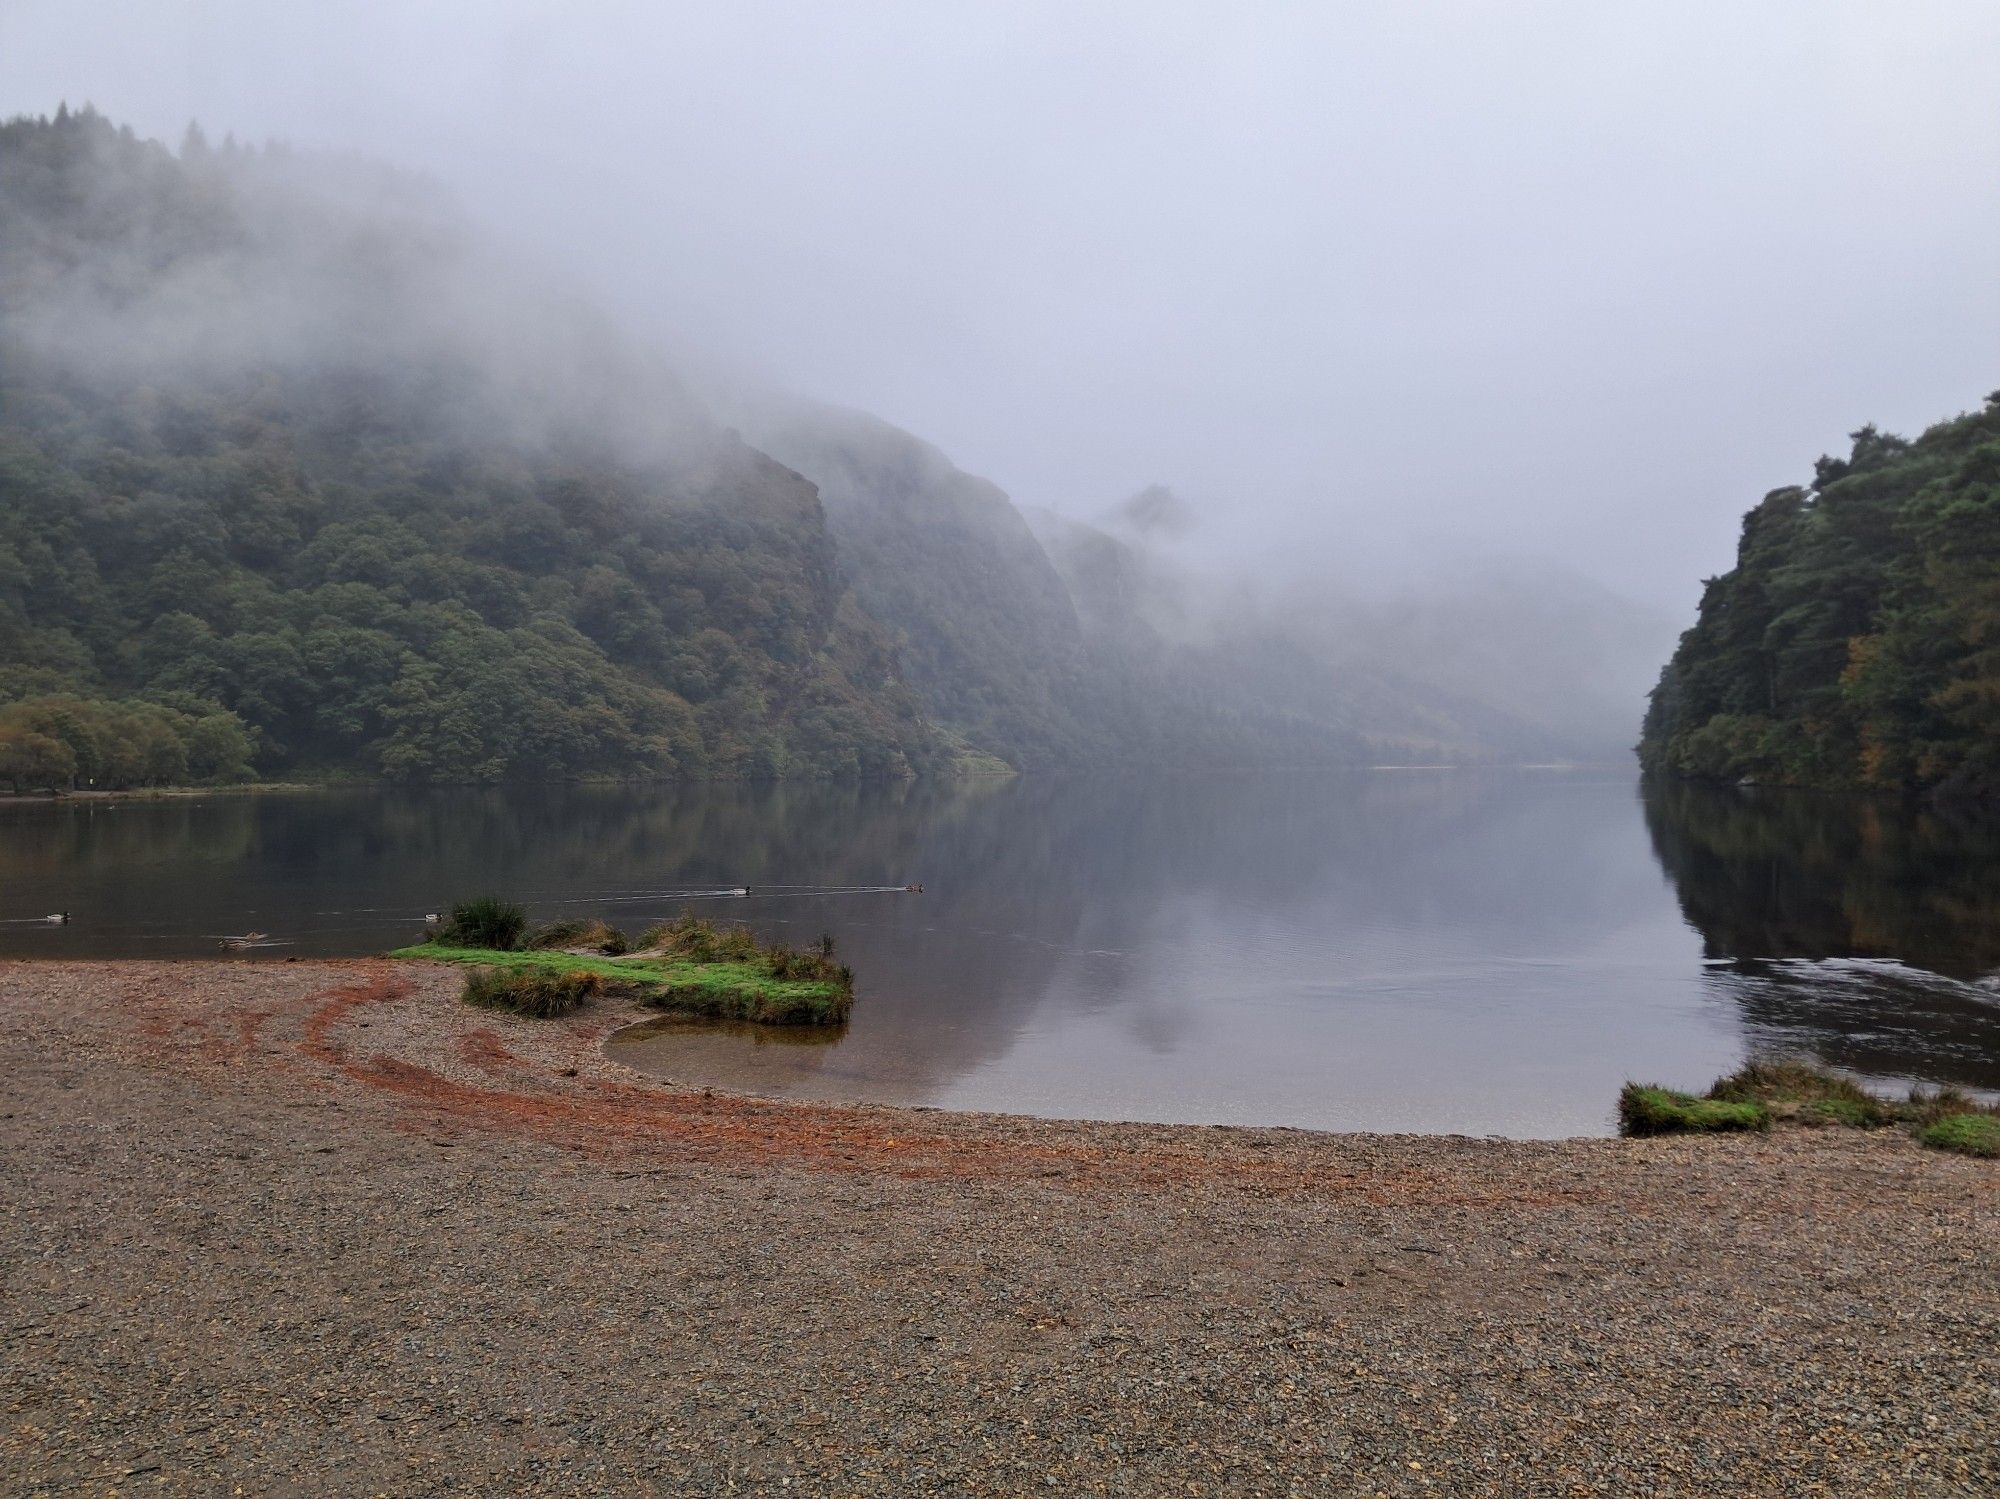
(1480, 952)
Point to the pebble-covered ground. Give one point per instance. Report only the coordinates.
(316, 1228)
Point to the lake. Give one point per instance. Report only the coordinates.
(1483, 952)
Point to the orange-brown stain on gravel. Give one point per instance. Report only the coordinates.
(555, 1098)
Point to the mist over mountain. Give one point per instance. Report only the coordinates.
(299, 477)
(1558, 657)
(1516, 662)
(278, 442)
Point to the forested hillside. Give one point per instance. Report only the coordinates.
(298, 479)
(1857, 640)
(291, 481)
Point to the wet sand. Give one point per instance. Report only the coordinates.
(315, 1227)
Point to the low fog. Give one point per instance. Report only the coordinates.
(1441, 340)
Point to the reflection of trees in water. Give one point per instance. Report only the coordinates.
(1065, 890)
(1769, 875)
(1773, 874)
(41, 839)
(118, 864)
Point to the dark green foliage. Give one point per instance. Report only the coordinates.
(1965, 1134)
(485, 922)
(1857, 640)
(323, 468)
(596, 935)
(538, 994)
(1644, 1109)
(64, 742)
(357, 538)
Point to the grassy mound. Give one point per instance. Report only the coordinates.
(1645, 1109)
(687, 966)
(1762, 1093)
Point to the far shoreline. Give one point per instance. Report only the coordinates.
(963, 774)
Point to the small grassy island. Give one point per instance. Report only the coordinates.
(687, 966)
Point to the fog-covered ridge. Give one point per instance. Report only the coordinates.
(295, 458)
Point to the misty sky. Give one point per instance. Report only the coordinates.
(1368, 282)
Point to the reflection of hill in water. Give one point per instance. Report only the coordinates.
(1772, 874)
(1513, 926)
(1091, 893)
(1858, 929)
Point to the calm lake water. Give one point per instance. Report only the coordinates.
(1478, 952)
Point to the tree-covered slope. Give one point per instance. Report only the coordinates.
(297, 478)
(281, 456)
(1857, 640)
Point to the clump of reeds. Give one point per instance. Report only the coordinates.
(538, 993)
(575, 933)
(820, 990)
(815, 962)
(699, 941)
(488, 922)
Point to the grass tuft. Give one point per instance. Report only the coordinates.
(1929, 1105)
(1799, 1092)
(699, 941)
(1965, 1134)
(485, 922)
(1646, 1109)
(538, 993)
(599, 936)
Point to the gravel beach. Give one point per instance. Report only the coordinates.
(317, 1228)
